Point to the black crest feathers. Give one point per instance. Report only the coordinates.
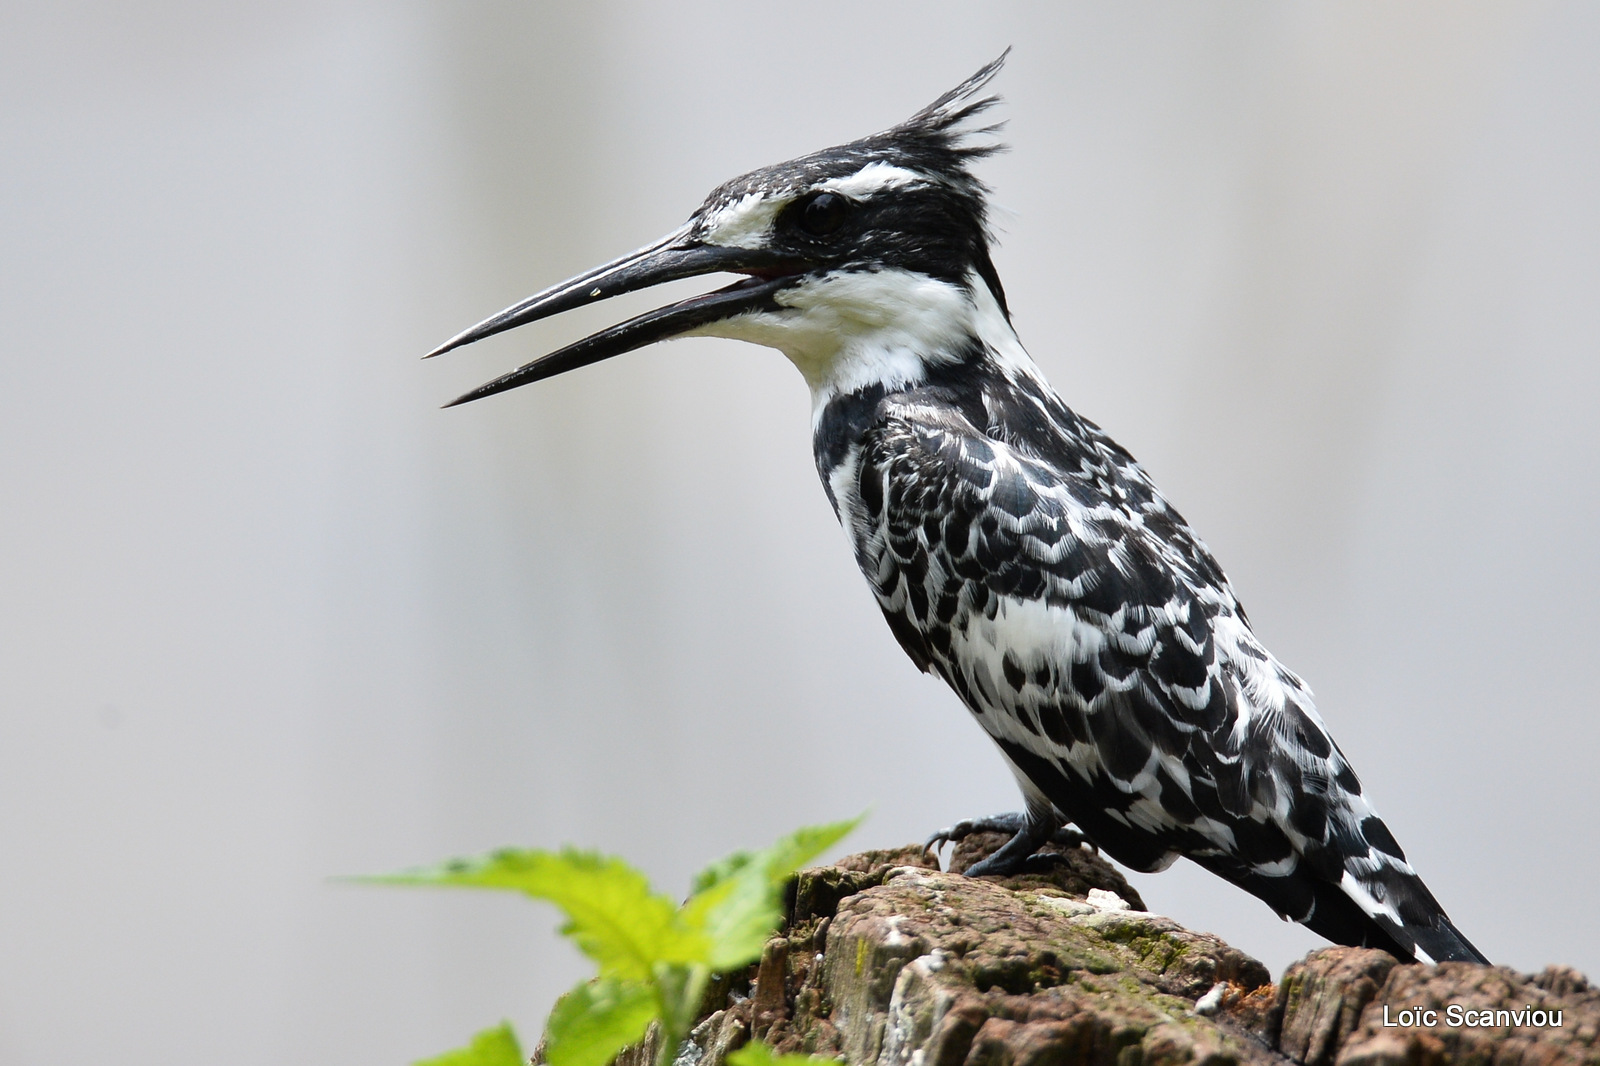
(943, 122)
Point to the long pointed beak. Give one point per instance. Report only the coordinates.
(677, 255)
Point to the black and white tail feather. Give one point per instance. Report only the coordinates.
(1016, 550)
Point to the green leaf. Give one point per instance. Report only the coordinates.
(790, 853)
(738, 917)
(611, 913)
(783, 858)
(492, 1047)
(682, 989)
(741, 903)
(722, 870)
(755, 1053)
(597, 1019)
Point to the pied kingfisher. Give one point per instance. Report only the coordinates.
(1017, 551)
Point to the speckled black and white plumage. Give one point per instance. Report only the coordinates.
(1016, 550)
(1024, 557)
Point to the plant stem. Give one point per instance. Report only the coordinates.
(682, 988)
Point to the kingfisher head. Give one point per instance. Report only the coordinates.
(865, 263)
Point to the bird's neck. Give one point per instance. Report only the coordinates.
(980, 373)
(959, 333)
(884, 329)
(899, 330)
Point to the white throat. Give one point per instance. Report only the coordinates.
(848, 331)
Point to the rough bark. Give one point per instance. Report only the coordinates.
(886, 960)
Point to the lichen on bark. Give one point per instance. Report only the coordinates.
(885, 959)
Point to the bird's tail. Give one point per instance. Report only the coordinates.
(1393, 899)
(1359, 901)
(1363, 891)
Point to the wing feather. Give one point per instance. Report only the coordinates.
(1091, 633)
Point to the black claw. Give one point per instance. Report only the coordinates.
(1071, 838)
(1012, 822)
(1012, 857)
(1029, 831)
(1044, 862)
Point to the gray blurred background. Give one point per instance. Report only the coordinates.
(268, 615)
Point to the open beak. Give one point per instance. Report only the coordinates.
(677, 255)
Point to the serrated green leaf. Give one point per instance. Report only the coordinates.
(721, 870)
(738, 917)
(612, 914)
(790, 853)
(597, 1019)
(755, 1053)
(492, 1047)
(742, 903)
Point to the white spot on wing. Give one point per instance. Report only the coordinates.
(1365, 900)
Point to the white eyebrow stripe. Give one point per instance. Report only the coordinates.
(874, 178)
(747, 221)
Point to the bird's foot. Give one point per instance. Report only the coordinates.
(1044, 862)
(1028, 834)
(1012, 822)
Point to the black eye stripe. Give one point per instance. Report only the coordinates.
(821, 213)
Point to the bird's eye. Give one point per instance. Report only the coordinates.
(823, 213)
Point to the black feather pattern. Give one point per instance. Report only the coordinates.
(1016, 550)
(1027, 559)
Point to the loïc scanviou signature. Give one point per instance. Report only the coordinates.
(1455, 1016)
